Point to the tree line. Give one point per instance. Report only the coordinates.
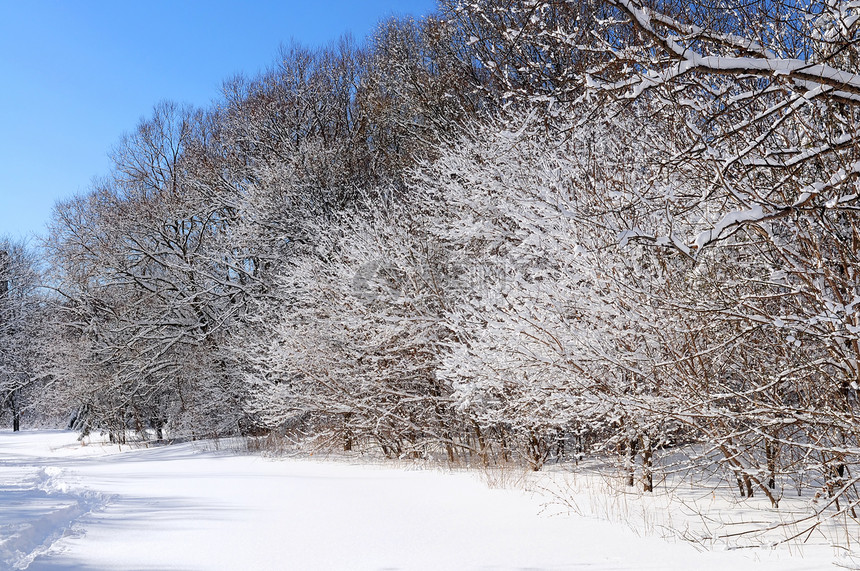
(514, 231)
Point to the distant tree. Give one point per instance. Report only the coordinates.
(22, 330)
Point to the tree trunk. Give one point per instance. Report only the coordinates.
(506, 449)
(748, 484)
(482, 445)
(770, 455)
(347, 432)
(647, 464)
(16, 413)
(631, 461)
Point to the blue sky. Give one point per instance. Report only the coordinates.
(75, 75)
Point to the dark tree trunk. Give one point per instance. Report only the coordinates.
(16, 413)
(748, 485)
(158, 425)
(633, 446)
(770, 454)
(647, 465)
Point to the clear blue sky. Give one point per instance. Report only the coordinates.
(75, 75)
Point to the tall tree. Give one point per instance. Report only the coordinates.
(22, 330)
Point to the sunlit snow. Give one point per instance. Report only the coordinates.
(192, 506)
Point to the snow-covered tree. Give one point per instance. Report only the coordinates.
(558, 334)
(757, 188)
(355, 335)
(147, 288)
(22, 331)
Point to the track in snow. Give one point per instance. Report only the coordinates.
(37, 510)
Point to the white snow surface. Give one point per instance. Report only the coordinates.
(191, 506)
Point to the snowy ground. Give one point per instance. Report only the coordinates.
(64, 506)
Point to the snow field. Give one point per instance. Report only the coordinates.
(64, 506)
